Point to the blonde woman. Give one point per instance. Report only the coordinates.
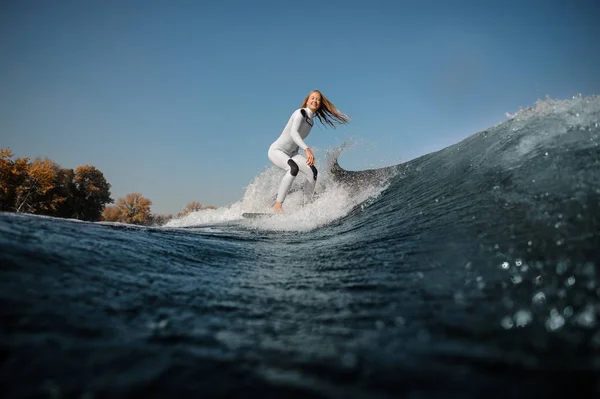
(284, 151)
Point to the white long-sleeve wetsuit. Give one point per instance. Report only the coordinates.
(284, 152)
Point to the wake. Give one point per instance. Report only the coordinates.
(337, 193)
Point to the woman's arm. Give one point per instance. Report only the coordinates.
(295, 130)
(310, 158)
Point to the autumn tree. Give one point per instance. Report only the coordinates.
(91, 192)
(136, 209)
(33, 195)
(133, 209)
(43, 187)
(13, 174)
(112, 213)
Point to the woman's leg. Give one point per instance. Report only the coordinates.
(310, 172)
(283, 161)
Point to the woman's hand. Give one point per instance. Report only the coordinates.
(310, 158)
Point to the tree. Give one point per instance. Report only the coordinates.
(123, 214)
(112, 213)
(133, 209)
(92, 193)
(191, 207)
(13, 174)
(33, 195)
(43, 187)
(63, 193)
(160, 220)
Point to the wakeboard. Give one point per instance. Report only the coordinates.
(250, 215)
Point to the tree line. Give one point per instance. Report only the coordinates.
(134, 208)
(42, 187)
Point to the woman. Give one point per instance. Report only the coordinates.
(284, 151)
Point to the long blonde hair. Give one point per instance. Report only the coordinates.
(327, 113)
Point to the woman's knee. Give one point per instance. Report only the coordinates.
(314, 171)
(293, 167)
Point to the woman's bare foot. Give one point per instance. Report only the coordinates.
(278, 208)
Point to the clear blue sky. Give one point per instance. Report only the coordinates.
(180, 100)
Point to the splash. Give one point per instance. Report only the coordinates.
(335, 197)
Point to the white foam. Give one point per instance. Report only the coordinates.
(333, 201)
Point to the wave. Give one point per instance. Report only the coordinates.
(474, 267)
(546, 130)
(336, 195)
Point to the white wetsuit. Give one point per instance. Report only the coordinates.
(284, 153)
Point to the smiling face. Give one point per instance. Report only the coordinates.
(314, 101)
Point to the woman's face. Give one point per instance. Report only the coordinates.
(314, 101)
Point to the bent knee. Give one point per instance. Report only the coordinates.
(314, 170)
(293, 167)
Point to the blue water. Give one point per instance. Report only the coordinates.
(469, 272)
